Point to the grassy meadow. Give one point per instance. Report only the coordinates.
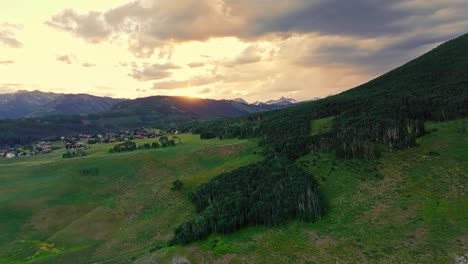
(51, 212)
(407, 207)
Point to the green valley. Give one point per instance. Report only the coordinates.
(50, 209)
(407, 206)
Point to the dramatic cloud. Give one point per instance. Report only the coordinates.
(158, 24)
(153, 71)
(7, 36)
(90, 27)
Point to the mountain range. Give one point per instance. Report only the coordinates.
(30, 104)
(37, 115)
(26, 104)
(282, 102)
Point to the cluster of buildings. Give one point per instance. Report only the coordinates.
(83, 140)
(42, 147)
(7, 154)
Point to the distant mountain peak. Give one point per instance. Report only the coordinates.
(283, 101)
(240, 100)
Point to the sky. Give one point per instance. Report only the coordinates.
(221, 49)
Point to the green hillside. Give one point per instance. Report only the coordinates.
(49, 208)
(407, 206)
(389, 110)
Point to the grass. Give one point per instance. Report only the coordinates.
(407, 207)
(50, 212)
(321, 125)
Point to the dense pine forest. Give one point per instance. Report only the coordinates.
(265, 193)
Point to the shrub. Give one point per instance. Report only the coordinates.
(74, 154)
(127, 146)
(177, 185)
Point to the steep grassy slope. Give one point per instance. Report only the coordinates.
(408, 207)
(50, 211)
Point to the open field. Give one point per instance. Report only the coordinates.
(51, 211)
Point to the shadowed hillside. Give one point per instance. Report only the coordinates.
(160, 111)
(37, 104)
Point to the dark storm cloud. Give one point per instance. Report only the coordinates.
(357, 17)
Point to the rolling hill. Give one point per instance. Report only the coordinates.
(191, 108)
(160, 111)
(25, 104)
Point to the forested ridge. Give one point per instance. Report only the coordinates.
(387, 111)
(155, 111)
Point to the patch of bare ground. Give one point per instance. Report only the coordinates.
(418, 236)
(226, 259)
(148, 259)
(321, 241)
(180, 260)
